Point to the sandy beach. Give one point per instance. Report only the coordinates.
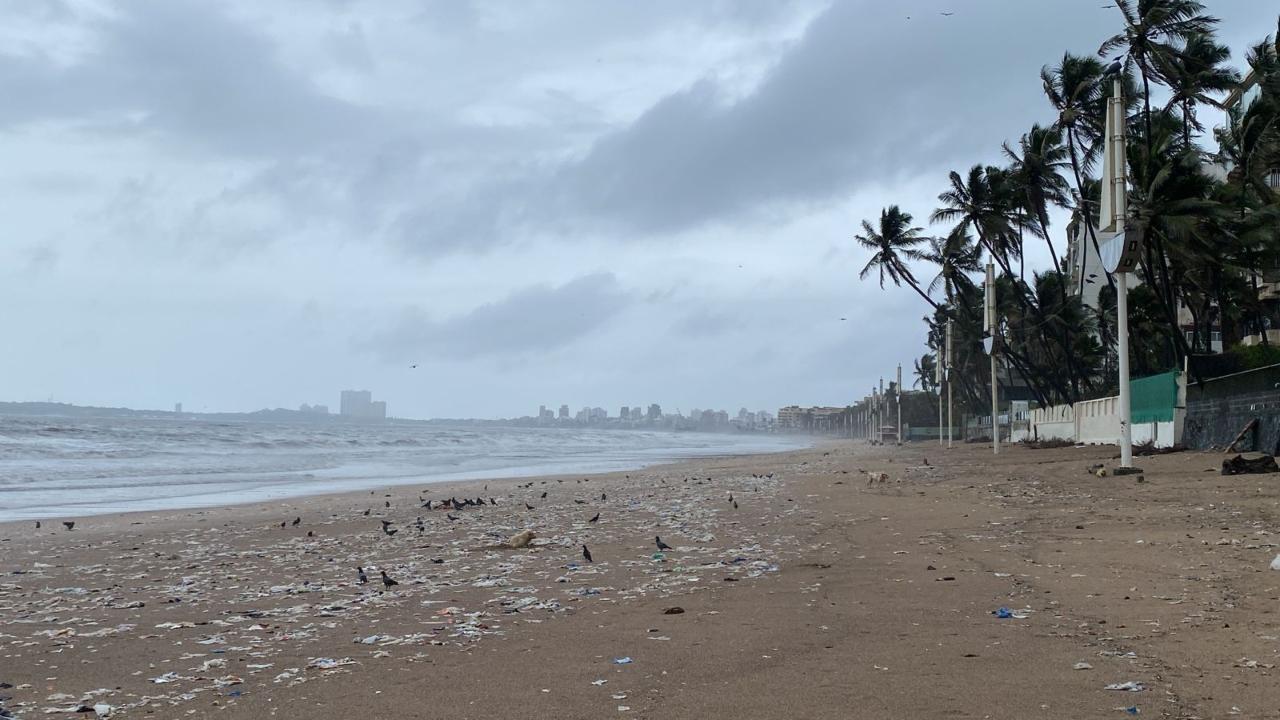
(817, 596)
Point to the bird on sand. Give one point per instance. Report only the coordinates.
(69, 524)
(603, 496)
(361, 578)
(594, 517)
(586, 554)
(735, 504)
(544, 494)
(730, 497)
(297, 521)
(527, 506)
(37, 524)
(661, 545)
(387, 582)
(366, 512)
(451, 517)
(310, 534)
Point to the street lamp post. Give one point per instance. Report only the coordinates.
(950, 383)
(937, 383)
(991, 350)
(897, 396)
(1120, 253)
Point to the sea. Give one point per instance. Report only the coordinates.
(53, 467)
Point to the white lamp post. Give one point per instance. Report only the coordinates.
(950, 422)
(990, 342)
(1120, 253)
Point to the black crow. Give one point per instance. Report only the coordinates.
(387, 582)
(37, 524)
(297, 521)
(594, 517)
(586, 554)
(451, 517)
(661, 545)
(361, 578)
(527, 506)
(366, 512)
(544, 494)
(69, 524)
(603, 496)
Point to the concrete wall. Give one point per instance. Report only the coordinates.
(1218, 409)
(1097, 422)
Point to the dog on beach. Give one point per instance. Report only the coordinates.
(877, 477)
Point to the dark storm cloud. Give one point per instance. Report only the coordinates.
(866, 95)
(185, 71)
(538, 319)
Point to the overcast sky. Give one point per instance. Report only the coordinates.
(238, 205)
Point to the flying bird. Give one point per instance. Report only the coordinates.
(413, 366)
(387, 582)
(586, 554)
(361, 578)
(661, 545)
(946, 14)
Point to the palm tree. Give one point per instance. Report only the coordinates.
(1036, 174)
(1195, 73)
(972, 202)
(1151, 29)
(893, 243)
(925, 372)
(1076, 91)
(956, 256)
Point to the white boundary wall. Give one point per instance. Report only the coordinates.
(1097, 422)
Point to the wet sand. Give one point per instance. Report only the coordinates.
(819, 596)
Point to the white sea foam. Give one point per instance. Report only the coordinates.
(53, 467)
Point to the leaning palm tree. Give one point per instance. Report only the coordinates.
(893, 243)
(956, 256)
(973, 203)
(1036, 174)
(926, 372)
(1195, 74)
(1152, 28)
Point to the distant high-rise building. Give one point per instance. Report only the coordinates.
(655, 412)
(360, 404)
(542, 411)
(624, 413)
(177, 407)
(564, 412)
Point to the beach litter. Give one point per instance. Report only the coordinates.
(1129, 686)
(1275, 563)
(625, 660)
(1005, 613)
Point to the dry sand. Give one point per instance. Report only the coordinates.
(818, 597)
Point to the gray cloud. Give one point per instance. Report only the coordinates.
(537, 319)
(187, 72)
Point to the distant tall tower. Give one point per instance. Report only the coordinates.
(177, 407)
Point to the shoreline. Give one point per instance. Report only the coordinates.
(812, 590)
(303, 484)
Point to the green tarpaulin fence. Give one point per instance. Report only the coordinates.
(1152, 399)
